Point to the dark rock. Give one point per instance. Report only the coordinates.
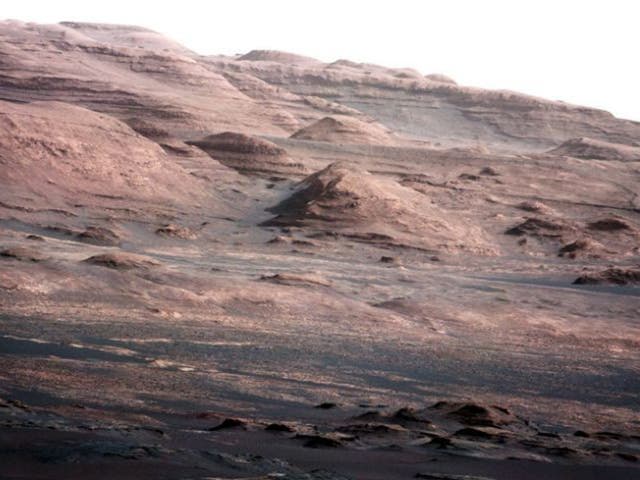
(610, 224)
(627, 456)
(468, 176)
(22, 254)
(477, 434)
(475, 415)
(122, 261)
(278, 427)
(610, 276)
(407, 414)
(326, 405)
(176, 231)
(228, 423)
(319, 441)
(368, 429)
(99, 236)
(539, 227)
(440, 442)
(610, 436)
(489, 171)
(367, 416)
(449, 476)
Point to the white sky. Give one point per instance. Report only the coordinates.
(584, 52)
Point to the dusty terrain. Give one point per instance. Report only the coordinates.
(266, 266)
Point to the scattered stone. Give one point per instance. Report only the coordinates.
(99, 236)
(489, 171)
(279, 239)
(176, 231)
(469, 176)
(296, 279)
(23, 254)
(582, 248)
(534, 206)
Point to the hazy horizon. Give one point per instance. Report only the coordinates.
(577, 52)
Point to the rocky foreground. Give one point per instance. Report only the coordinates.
(266, 266)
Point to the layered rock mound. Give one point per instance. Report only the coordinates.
(343, 129)
(345, 200)
(249, 154)
(589, 148)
